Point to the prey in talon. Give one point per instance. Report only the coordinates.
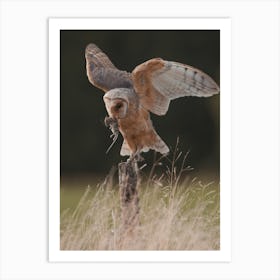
(113, 126)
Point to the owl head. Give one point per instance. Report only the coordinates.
(117, 102)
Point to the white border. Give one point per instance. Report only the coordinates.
(55, 25)
(24, 140)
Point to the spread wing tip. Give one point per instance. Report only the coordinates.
(91, 46)
(213, 88)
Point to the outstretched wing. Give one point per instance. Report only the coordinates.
(158, 81)
(102, 73)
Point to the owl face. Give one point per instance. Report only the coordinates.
(116, 107)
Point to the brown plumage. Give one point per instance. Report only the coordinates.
(149, 88)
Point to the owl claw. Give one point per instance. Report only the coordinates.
(139, 158)
(136, 157)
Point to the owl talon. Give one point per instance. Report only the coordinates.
(139, 158)
(136, 157)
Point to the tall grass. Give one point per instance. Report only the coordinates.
(174, 215)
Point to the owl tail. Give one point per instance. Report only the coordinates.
(159, 146)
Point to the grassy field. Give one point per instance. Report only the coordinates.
(175, 214)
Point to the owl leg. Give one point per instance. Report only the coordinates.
(136, 156)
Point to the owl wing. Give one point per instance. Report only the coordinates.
(158, 81)
(102, 73)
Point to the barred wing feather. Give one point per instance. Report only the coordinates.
(158, 81)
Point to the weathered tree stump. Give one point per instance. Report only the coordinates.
(128, 182)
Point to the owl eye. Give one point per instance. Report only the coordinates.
(118, 106)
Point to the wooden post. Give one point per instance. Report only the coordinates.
(128, 181)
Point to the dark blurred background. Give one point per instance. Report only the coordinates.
(84, 138)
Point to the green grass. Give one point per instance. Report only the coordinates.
(175, 214)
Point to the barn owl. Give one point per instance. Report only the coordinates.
(130, 97)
